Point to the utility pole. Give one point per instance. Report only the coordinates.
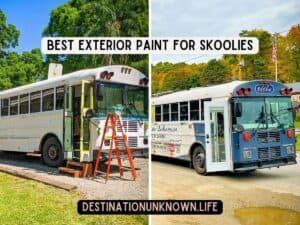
(274, 56)
(241, 65)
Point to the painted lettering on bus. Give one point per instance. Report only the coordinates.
(264, 88)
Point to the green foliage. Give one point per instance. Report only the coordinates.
(8, 34)
(16, 70)
(141, 65)
(214, 73)
(168, 76)
(98, 18)
(298, 143)
(90, 18)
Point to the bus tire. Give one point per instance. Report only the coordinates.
(199, 160)
(52, 153)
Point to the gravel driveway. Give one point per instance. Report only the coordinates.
(116, 188)
(276, 187)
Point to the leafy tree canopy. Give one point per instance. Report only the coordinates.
(99, 18)
(8, 34)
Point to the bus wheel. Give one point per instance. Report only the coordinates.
(52, 153)
(198, 160)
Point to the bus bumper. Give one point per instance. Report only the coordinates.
(264, 164)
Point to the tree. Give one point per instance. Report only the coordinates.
(17, 70)
(8, 34)
(215, 73)
(260, 65)
(293, 48)
(98, 18)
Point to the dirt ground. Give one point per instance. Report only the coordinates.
(116, 188)
(277, 187)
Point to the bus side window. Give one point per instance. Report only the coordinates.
(194, 110)
(166, 112)
(35, 102)
(174, 112)
(202, 106)
(4, 107)
(59, 98)
(24, 104)
(157, 113)
(14, 105)
(48, 100)
(184, 111)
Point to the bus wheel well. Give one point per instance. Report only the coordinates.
(193, 148)
(47, 136)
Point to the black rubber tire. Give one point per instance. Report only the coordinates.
(199, 160)
(52, 153)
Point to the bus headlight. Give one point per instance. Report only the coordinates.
(247, 154)
(290, 149)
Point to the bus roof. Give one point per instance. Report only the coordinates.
(216, 91)
(122, 74)
(256, 88)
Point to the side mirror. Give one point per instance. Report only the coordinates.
(237, 111)
(99, 91)
(88, 113)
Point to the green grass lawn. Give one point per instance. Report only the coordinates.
(297, 124)
(28, 202)
(298, 143)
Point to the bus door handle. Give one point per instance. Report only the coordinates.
(207, 136)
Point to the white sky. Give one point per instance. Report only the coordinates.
(216, 18)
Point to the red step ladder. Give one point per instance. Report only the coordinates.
(112, 121)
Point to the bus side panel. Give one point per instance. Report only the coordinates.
(23, 133)
(173, 139)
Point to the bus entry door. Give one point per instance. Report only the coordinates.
(86, 104)
(217, 138)
(68, 123)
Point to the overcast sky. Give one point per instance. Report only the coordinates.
(216, 18)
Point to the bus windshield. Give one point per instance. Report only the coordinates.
(128, 100)
(263, 113)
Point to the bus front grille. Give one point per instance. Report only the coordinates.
(275, 152)
(269, 153)
(274, 136)
(265, 137)
(263, 153)
(132, 142)
(129, 126)
(132, 126)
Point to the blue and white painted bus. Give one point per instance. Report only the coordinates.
(236, 126)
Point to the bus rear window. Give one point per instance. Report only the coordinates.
(4, 107)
